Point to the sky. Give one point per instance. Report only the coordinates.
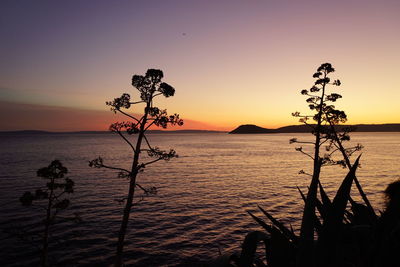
(231, 62)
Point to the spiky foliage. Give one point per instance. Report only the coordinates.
(332, 226)
(51, 197)
(149, 86)
(326, 132)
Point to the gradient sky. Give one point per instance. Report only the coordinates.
(231, 62)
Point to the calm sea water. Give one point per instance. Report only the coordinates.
(202, 196)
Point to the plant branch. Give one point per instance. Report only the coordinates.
(308, 155)
(147, 142)
(151, 162)
(137, 102)
(115, 168)
(126, 140)
(150, 124)
(126, 114)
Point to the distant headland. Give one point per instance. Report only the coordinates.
(254, 129)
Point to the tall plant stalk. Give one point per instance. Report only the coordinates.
(320, 103)
(307, 226)
(45, 245)
(149, 86)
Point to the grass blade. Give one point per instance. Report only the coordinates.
(267, 227)
(280, 225)
(343, 194)
(324, 197)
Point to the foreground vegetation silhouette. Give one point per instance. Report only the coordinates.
(50, 199)
(387, 234)
(149, 86)
(334, 232)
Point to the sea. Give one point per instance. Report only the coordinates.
(200, 209)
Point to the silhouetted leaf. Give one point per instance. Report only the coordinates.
(166, 89)
(54, 170)
(324, 197)
(342, 196)
(120, 102)
(137, 81)
(317, 223)
(281, 251)
(304, 92)
(327, 67)
(317, 74)
(267, 227)
(154, 75)
(280, 225)
(26, 199)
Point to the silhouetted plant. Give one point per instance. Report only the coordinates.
(283, 246)
(320, 102)
(327, 117)
(52, 195)
(343, 232)
(149, 86)
(386, 235)
(325, 114)
(326, 130)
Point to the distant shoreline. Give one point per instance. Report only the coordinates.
(242, 129)
(254, 129)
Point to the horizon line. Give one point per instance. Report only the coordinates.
(189, 130)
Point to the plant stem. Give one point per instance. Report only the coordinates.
(307, 229)
(308, 222)
(348, 164)
(44, 258)
(131, 192)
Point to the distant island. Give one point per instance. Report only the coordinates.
(254, 129)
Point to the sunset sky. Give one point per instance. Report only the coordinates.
(231, 62)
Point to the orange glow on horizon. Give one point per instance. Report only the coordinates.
(59, 119)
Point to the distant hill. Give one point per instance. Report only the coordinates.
(254, 129)
(251, 129)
